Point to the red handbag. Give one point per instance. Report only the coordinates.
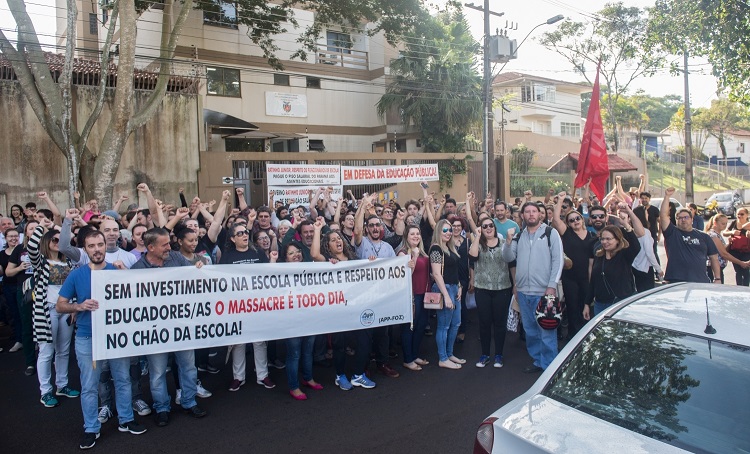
(739, 243)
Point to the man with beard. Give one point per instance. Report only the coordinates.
(687, 248)
(78, 286)
(159, 254)
(369, 243)
(538, 253)
(111, 232)
(597, 219)
(502, 223)
(649, 217)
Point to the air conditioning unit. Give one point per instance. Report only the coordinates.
(502, 49)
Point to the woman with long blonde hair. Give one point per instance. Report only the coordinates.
(411, 336)
(444, 267)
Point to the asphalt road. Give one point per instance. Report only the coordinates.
(434, 410)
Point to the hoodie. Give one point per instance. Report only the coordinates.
(539, 263)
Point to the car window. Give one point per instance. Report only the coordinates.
(683, 390)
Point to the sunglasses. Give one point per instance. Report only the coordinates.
(565, 207)
(55, 240)
(574, 219)
(241, 233)
(446, 229)
(598, 216)
(487, 226)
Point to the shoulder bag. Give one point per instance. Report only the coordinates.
(434, 300)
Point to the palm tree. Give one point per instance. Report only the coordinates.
(435, 83)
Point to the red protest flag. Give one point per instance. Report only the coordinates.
(592, 161)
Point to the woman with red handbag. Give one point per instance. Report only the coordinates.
(411, 336)
(716, 225)
(737, 233)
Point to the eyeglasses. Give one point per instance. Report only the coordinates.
(487, 226)
(604, 238)
(574, 219)
(263, 238)
(55, 240)
(373, 225)
(264, 216)
(241, 233)
(387, 211)
(565, 207)
(293, 252)
(459, 226)
(683, 218)
(598, 216)
(446, 229)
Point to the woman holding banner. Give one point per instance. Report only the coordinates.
(239, 250)
(299, 347)
(411, 336)
(334, 249)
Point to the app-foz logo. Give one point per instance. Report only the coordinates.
(367, 317)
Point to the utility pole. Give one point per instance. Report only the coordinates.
(688, 139)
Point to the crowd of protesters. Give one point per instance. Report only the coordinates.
(503, 256)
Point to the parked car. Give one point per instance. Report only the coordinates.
(664, 371)
(722, 202)
(656, 201)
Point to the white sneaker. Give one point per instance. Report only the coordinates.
(104, 414)
(177, 397)
(200, 391)
(141, 407)
(16, 347)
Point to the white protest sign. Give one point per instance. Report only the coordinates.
(158, 310)
(300, 195)
(302, 175)
(389, 174)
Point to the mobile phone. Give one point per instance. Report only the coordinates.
(424, 185)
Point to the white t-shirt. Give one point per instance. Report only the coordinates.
(111, 257)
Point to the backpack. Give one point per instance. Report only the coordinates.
(547, 233)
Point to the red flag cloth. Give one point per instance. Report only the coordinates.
(593, 162)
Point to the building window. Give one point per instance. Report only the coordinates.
(339, 42)
(281, 79)
(223, 81)
(741, 147)
(316, 145)
(93, 24)
(570, 129)
(220, 13)
(255, 145)
(401, 146)
(535, 92)
(312, 82)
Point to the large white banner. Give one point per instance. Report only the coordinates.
(300, 195)
(302, 175)
(168, 309)
(286, 104)
(389, 174)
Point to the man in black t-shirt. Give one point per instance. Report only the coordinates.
(649, 216)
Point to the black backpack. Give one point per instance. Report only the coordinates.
(547, 233)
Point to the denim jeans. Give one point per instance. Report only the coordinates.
(59, 349)
(540, 343)
(601, 307)
(448, 321)
(411, 336)
(188, 373)
(89, 386)
(299, 349)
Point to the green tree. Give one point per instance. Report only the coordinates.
(96, 164)
(521, 158)
(722, 117)
(435, 84)
(698, 132)
(616, 40)
(716, 29)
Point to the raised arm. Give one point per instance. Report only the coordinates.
(153, 208)
(213, 231)
(558, 223)
(182, 213)
(315, 247)
(664, 209)
(241, 202)
(359, 221)
(469, 210)
(43, 196)
(71, 252)
(116, 207)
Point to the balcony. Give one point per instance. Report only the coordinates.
(343, 57)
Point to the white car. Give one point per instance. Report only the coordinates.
(664, 371)
(657, 202)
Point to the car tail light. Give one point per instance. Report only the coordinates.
(485, 437)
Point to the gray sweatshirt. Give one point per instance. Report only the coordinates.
(539, 264)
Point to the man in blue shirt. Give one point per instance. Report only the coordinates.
(159, 254)
(78, 286)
